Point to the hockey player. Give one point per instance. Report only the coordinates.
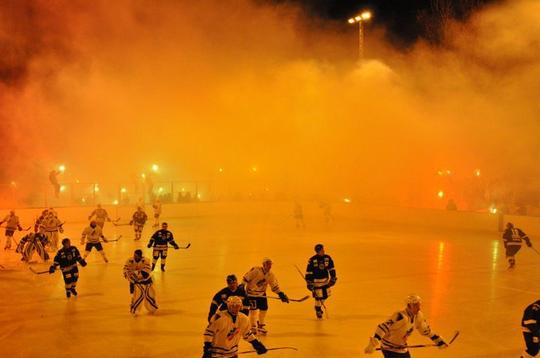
(320, 276)
(101, 216)
(223, 333)
(137, 272)
(53, 178)
(531, 329)
(30, 243)
(40, 219)
(50, 225)
(93, 236)
(138, 220)
(232, 289)
(66, 258)
(327, 211)
(12, 224)
(256, 282)
(157, 212)
(299, 216)
(512, 238)
(160, 242)
(393, 333)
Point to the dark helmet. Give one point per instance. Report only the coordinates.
(231, 278)
(319, 247)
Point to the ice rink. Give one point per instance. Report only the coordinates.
(455, 261)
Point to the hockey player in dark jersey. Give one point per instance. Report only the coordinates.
(512, 238)
(232, 289)
(138, 220)
(67, 258)
(320, 276)
(160, 242)
(531, 329)
(30, 243)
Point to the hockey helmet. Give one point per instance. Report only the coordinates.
(234, 303)
(319, 247)
(413, 299)
(231, 278)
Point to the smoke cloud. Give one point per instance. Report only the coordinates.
(109, 87)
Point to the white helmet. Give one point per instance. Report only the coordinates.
(234, 301)
(413, 299)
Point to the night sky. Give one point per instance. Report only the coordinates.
(402, 18)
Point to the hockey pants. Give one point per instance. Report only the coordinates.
(143, 293)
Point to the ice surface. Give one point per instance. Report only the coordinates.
(460, 273)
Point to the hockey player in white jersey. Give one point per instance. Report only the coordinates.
(157, 212)
(50, 225)
(256, 281)
(12, 224)
(93, 236)
(225, 329)
(138, 272)
(393, 333)
(101, 216)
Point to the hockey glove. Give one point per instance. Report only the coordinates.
(259, 347)
(83, 263)
(529, 244)
(283, 297)
(439, 342)
(310, 286)
(52, 269)
(332, 281)
(207, 352)
(176, 247)
(61, 229)
(149, 245)
(373, 343)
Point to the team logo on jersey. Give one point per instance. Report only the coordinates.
(233, 332)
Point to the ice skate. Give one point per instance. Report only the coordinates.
(261, 329)
(319, 312)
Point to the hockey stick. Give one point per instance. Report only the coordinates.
(535, 250)
(115, 224)
(456, 334)
(290, 299)
(270, 349)
(5, 227)
(118, 238)
(322, 303)
(37, 272)
(185, 247)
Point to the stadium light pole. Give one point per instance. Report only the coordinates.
(360, 20)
